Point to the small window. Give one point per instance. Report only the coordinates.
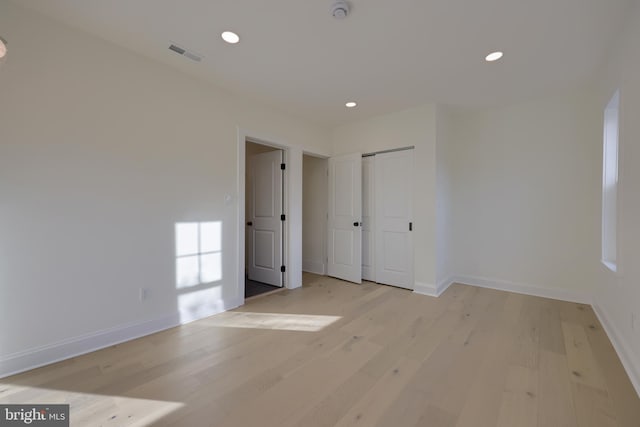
(610, 183)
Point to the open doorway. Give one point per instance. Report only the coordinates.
(292, 242)
(265, 216)
(314, 214)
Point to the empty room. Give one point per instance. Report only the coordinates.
(320, 213)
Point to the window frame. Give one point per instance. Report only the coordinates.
(610, 183)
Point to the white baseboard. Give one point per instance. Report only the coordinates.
(40, 356)
(316, 267)
(209, 308)
(425, 289)
(443, 285)
(432, 290)
(519, 288)
(76, 346)
(625, 353)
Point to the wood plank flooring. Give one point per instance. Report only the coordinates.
(339, 354)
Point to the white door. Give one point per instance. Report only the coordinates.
(264, 223)
(368, 219)
(394, 240)
(345, 216)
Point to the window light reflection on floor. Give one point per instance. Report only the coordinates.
(279, 321)
(95, 409)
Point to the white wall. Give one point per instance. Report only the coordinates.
(416, 127)
(617, 296)
(101, 152)
(526, 196)
(314, 214)
(444, 211)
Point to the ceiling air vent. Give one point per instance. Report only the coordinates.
(184, 52)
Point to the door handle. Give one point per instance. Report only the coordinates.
(357, 224)
(249, 223)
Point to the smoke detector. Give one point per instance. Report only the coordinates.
(340, 9)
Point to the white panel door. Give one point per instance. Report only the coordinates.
(264, 225)
(394, 205)
(345, 216)
(368, 219)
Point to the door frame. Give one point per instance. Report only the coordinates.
(292, 194)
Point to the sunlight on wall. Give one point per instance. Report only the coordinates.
(198, 269)
(194, 305)
(198, 253)
(96, 409)
(281, 321)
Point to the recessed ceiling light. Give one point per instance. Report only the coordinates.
(493, 56)
(230, 37)
(350, 104)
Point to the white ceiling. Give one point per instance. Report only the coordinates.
(387, 55)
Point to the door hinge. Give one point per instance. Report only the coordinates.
(283, 166)
(410, 226)
(283, 269)
(283, 217)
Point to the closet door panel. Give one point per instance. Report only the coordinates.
(393, 213)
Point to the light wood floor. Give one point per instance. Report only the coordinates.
(338, 354)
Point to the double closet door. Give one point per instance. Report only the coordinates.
(370, 218)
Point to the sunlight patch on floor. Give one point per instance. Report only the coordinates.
(281, 321)
(96, 409)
